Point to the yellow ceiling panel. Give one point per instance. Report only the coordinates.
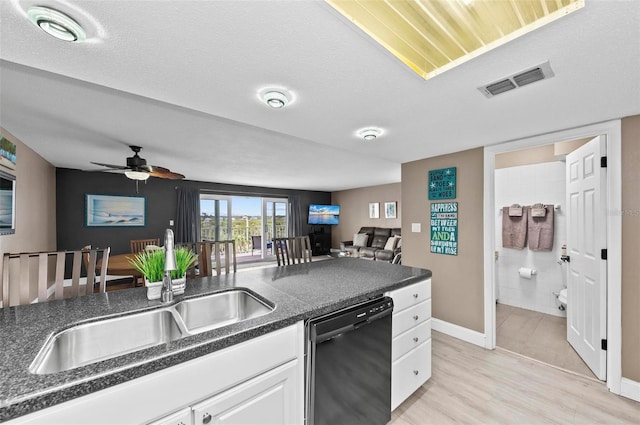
(431, 36)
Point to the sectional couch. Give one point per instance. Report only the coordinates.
(373, 245)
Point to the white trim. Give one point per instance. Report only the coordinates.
(459, 332)
(612, 131)
(630, 389)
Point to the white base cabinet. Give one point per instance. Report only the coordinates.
(257, 381)
(411, 343)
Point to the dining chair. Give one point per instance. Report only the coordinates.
(140, 245)
(46, 272)
(294, 250)
(212, 253)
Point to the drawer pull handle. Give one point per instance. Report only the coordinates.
(415, 317)
(415, 372)
(415, 295)
(206, 418)
(415, 339)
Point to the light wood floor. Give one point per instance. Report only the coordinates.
(539, 336)
(472, 385)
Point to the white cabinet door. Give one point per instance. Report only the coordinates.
(183, 417)
(269, 399)
(409, 372)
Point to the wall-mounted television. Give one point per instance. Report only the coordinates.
(324, 214)
(7, 204)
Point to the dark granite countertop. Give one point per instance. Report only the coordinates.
(298, 292)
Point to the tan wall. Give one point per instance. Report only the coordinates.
(354, 210)
(35, 202)
(631, 248)
(539, 154)
(457, 283)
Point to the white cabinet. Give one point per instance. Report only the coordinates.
(268, 400)
(411, 344)
(260, 378)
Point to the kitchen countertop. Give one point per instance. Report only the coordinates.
(298, 292)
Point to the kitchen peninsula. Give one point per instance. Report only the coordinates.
(295, 293)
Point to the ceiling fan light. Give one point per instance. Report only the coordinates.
(56, 24)
(136, 175)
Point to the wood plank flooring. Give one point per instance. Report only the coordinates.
(472, 385)
(539, 336)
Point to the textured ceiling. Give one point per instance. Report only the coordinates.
(180, 78)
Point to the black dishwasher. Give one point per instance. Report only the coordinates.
(349, 365)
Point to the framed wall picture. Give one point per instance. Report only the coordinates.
(374, 210)
(390, 209)
(7, 153)
(115, 211)
(7, 204)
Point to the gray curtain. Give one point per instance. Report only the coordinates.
(295, 216)
(187, 215)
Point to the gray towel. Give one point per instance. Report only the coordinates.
(514, 229)
(541, 231)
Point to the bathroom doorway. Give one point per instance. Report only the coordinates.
(530, 319)
(542, 325)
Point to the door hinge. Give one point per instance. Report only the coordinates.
(603, 162)
(603, 344)
(603, 254)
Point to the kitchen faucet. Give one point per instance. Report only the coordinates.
(169, 265)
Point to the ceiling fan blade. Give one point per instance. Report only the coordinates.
(163, 173)
(115, 167)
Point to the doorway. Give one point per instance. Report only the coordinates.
(611, 131)
(252, 221)
(530, 318)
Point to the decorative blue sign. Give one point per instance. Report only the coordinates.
(442, 183)
(444, 228)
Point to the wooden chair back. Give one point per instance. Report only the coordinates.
(293, 250)
(139, 245)
(47, 270)
(213, 255)
(219, 250)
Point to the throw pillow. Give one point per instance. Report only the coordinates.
(360, 239)
(391, 244)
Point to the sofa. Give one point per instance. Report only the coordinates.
(370, 243)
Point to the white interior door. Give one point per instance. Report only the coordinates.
(586, 280)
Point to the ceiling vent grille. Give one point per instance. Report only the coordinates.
(537, 73)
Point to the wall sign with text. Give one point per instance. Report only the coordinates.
(444, 228)
(442, 183)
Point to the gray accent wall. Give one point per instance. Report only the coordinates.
(161, 198)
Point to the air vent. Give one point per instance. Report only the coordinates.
(537, 73)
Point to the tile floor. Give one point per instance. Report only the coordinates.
(539, 336)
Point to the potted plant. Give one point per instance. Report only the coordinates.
(151, 265)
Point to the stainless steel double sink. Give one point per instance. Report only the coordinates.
(88, 343)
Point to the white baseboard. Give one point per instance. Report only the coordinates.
(459, 332)
(630, 389)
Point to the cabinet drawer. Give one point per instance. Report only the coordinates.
(409, 340)
(411, 295)
(413, 316)
(183, 417)
(409, 372)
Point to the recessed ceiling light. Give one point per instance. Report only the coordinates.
(275, 97)
(56, 24)
(369, 134)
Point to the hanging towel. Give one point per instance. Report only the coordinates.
(541, 231)
(514, 229)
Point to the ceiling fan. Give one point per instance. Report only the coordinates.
(137, 168)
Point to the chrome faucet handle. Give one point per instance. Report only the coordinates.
(166, 295)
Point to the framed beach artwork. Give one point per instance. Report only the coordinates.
(390, 209)
(7, 153)
(374, 210)
(115, 211)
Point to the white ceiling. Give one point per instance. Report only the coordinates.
(180, 78)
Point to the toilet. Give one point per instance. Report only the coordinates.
(562, 297)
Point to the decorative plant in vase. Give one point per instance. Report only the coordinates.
(151, 265)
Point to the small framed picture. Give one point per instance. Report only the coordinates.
(390, 209)
(374, 210)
